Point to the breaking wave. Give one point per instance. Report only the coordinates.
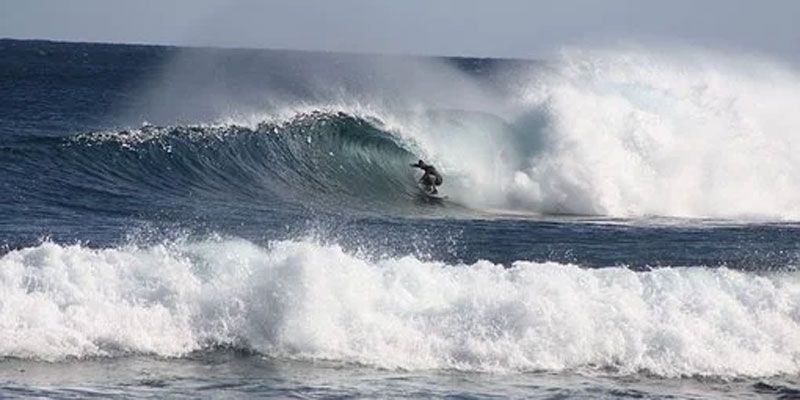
(620, 134)
(304, 300)
(676, 134)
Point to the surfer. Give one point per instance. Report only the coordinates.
(431, 179)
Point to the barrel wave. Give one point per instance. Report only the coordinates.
(616, 134)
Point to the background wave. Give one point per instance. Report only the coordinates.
(620, 133)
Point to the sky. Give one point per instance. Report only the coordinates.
(500, 28)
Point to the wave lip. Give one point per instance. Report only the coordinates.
(304, 300)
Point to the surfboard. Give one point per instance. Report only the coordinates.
(436, 196)
(430, 196)
(433, 197)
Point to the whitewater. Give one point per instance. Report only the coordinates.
(204, 222)
(300, 299)
(631, 134)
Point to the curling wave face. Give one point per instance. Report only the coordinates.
(309, 156)
(305, 300)
(332, 159)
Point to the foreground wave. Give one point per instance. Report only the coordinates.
(305, 300)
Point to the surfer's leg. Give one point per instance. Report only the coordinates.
(433, 181)
(430, 183)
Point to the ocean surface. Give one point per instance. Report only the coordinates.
(197, 222)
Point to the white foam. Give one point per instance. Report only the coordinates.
(631, 133)
(304, 300)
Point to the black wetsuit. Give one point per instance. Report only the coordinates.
(431, 178)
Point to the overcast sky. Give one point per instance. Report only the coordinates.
(527, 29)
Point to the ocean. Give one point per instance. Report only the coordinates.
(234, 223)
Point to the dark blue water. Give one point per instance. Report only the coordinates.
(204, 222)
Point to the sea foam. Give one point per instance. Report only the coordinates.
(303, 300)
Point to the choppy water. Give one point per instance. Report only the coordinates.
(202, 222)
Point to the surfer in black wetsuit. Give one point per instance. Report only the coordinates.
(431, 179)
